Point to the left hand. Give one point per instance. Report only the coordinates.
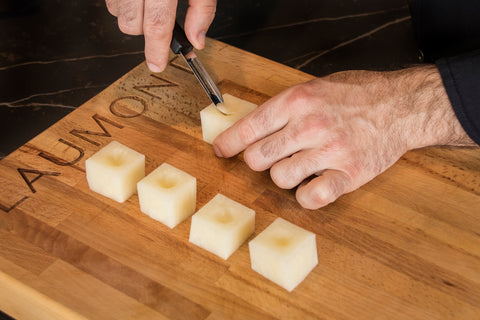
(344, 129)
(155, 20)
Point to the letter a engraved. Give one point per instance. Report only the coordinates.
(104, 133)
(61, 162)
(39, 174)
(147, 88)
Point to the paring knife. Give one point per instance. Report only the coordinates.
(181, 45)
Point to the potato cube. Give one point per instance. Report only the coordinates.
(284, 253)
(114, 171)
(221, 226)
(168, 195)
(215, 122)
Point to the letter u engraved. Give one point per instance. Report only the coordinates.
(62, 162)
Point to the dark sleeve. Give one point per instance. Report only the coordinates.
(448, 33)
(461, 77)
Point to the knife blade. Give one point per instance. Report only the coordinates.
(181, 45)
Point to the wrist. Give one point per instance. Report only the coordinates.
(431, 120)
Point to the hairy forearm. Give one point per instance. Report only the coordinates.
(344, 129)
(430, 119)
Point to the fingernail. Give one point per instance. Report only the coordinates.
(217, 151)
(153, 67)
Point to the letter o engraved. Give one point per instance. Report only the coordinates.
(127, 111)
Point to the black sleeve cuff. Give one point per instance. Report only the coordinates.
(461, 78)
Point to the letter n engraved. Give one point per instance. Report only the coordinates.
(177, 65)
(104, 133)
(62, 162)
(146, 88)
(39, 174)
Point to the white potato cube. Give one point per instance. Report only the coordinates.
(215, 122)
(114, 171)
(221, 226)
(284, 253)
(168, 195)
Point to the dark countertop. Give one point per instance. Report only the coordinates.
(55, 55)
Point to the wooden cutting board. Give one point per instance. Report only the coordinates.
(404, 246)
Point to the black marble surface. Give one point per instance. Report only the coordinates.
(56, 54)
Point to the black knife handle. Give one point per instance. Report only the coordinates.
(180, 43)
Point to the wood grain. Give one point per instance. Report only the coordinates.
(404, 246)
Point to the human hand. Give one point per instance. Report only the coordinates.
(155, 20)
(344, 129)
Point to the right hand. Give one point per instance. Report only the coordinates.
(155, 20)
(333, 134)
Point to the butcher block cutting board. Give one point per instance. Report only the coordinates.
(404, 246)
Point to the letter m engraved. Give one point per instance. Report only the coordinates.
(104, 133)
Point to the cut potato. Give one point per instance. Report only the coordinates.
(114, 171)
(168, 195)
(284, 253)
(215, 122)
(221, 226)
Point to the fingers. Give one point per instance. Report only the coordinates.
(323, 189)
(155, 19)
(263, 154)
(261, 122)
(199, 16)
(290, 172)
(112, 6)
(159, 18)
(130, 16)
(304, 134)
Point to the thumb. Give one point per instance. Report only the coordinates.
(322, 190)
(199, 16)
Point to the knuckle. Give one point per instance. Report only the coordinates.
(306, 202)
(281, 177)
(247, 133)
(157, 18)
(154, 30)
(299, 95)
(354, 167)
(309, 128)
(263, 119)
(252, 159)
(340, 76)
(334, 145)
(129, 19)
(112, 7)
(335, 186)
(129, 10)
(291, 171)
(322, 196)
(274, 147)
